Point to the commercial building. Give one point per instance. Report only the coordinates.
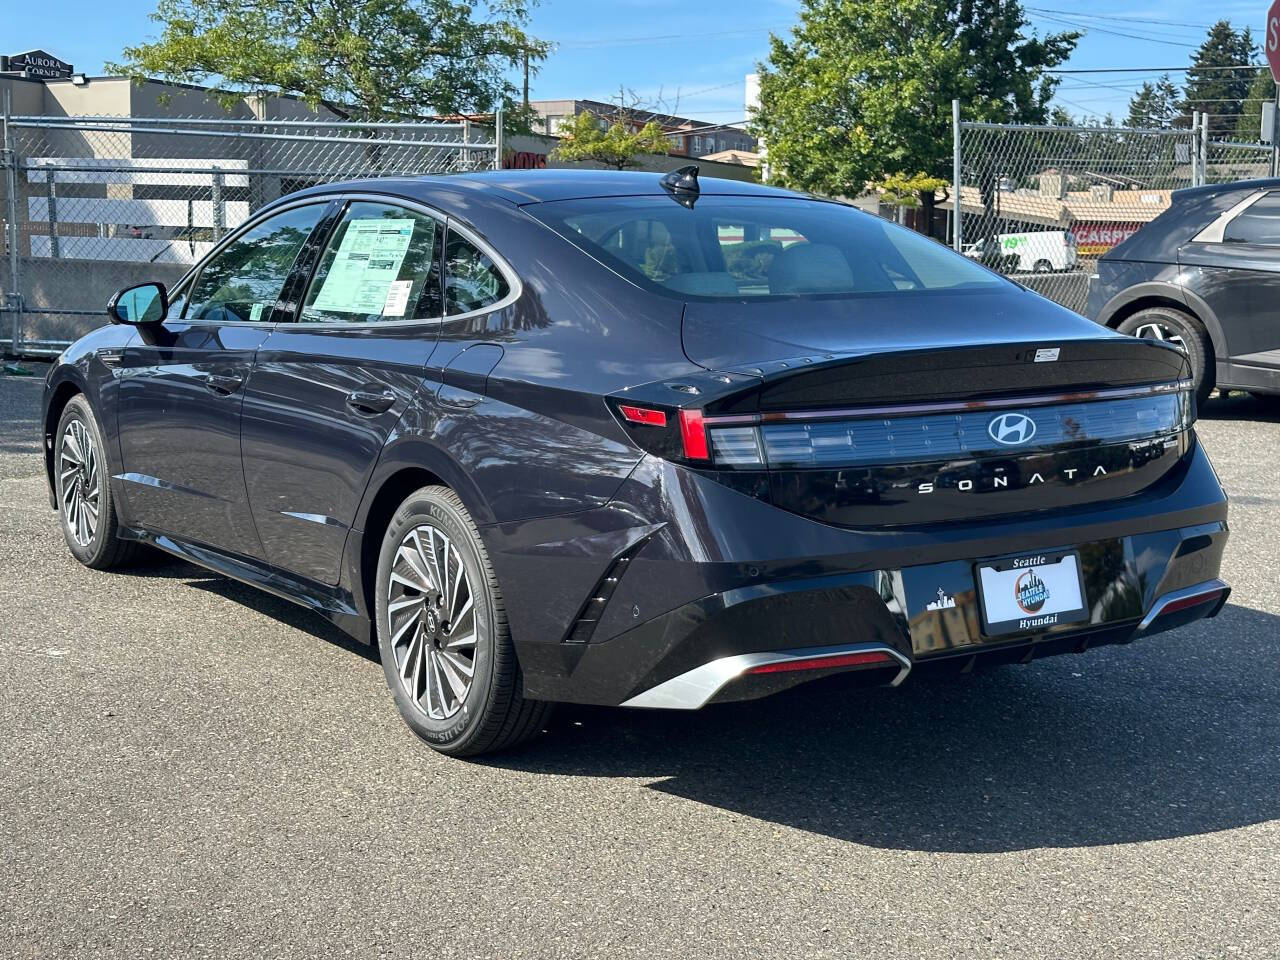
(689, 137)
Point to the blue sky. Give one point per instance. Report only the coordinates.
(698, 51)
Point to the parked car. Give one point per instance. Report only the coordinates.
(541, 436)
(1038, 251)
(1204, 275)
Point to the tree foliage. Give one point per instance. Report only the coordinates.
(616, 141)
(862, 89)
(1222, 70)
(1154, 105)
(367, 59)
(1249, 122)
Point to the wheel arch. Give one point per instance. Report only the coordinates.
(60, 394)
(1144, 295)
(408, 465)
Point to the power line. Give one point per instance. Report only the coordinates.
(1241, 66)
(1103, 16)
(1117, 33)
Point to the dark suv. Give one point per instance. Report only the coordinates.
(1205, 275)
(623, 439)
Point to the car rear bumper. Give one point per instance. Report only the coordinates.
(717, 584)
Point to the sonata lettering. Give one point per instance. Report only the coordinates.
(998, 482)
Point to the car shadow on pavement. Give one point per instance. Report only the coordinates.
(1238, 406)
(1173, 736)
(269, 605)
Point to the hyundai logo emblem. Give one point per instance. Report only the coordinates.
(1011, 429)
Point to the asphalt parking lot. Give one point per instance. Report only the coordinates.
(192, 768)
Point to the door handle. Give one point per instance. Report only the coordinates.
(223, 384)
(370, 401)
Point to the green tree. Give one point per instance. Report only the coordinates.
(1154, 105)
(365, 59)
(862, 89)
(1249, 123)
(1218, 82)
(616, 141)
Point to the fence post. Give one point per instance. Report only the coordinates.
(51, 198)
(1194, 147)
(957, 214)
(497, 138)
(1275, 140)
(13, 295)
(464, 156)
(1204, 148)
(219, 214)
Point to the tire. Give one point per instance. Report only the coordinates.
(81, 480)
(1043, 266)
(423, 632)
(1182, 328)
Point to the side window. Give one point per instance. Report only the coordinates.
(243, 281)
(472, 281)
(1259, 223)
(382, 263)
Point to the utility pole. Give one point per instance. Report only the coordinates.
(526, 77)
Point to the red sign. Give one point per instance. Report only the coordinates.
(1272, 43)
(1097, 238)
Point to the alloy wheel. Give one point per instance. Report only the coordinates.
(431, 620)
(1159, 331)
(80, 482)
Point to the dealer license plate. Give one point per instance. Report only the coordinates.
(1031, 592)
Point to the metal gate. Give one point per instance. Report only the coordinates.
(93, 204)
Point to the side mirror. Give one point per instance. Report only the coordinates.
(143, 304)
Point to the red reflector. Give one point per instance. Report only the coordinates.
(825, 663)
(694, 435)
(652, 418)
(1193, 601)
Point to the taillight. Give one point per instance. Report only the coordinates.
(688, 435)
(693, 435)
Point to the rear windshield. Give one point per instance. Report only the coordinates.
(733, 248)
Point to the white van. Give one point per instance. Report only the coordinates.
(1041, 251)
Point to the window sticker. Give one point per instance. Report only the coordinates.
(255, 312)
(397, 298)
(367, 263)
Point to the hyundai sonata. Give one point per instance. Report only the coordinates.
(639, 440)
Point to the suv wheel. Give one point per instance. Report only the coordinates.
(80, 478)
(1174, 326)
(442, 632)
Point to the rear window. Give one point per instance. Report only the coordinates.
(734, 248)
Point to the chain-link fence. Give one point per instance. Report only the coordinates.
(1042, 203)
(93, 204)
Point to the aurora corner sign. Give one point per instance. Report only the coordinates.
(37, 65)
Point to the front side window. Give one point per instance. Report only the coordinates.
(381, 263)
(243, 281)
(740, 248)
(1259, 223)
(472, 281)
